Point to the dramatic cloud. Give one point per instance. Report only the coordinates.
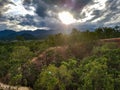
(43, 14)
(2, 6)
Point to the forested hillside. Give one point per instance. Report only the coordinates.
(77, 61)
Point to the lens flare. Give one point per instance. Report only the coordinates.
(66, 18)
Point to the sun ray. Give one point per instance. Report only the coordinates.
(66, 17)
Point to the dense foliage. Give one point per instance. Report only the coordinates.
(78, 61)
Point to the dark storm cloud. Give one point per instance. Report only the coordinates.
(46, 13)
(3, 3)
(43, 5)
(80, 4)
(97, 14)
(31, 20)
(41, 11)
(27, 1)
(112, 4)
(53, 23)
(40, 5)
(55, 2)
(109, 14)
(112, 11)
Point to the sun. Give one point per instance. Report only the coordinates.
(66, 17)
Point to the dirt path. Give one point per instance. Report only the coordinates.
(111, 40)
(8, 87)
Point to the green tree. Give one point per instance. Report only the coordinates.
(20, 38)
(47, 79)
(102, 70)
(21, 54)
(52, 77)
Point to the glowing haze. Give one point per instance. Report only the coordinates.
(66, 17)
(52, 14)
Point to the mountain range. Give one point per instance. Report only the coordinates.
(27, 34)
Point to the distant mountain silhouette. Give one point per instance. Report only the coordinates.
(27, 35)
(6, 33)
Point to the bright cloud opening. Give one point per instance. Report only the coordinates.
(66, 18)
(19, 9)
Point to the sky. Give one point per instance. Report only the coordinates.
(45, 14)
